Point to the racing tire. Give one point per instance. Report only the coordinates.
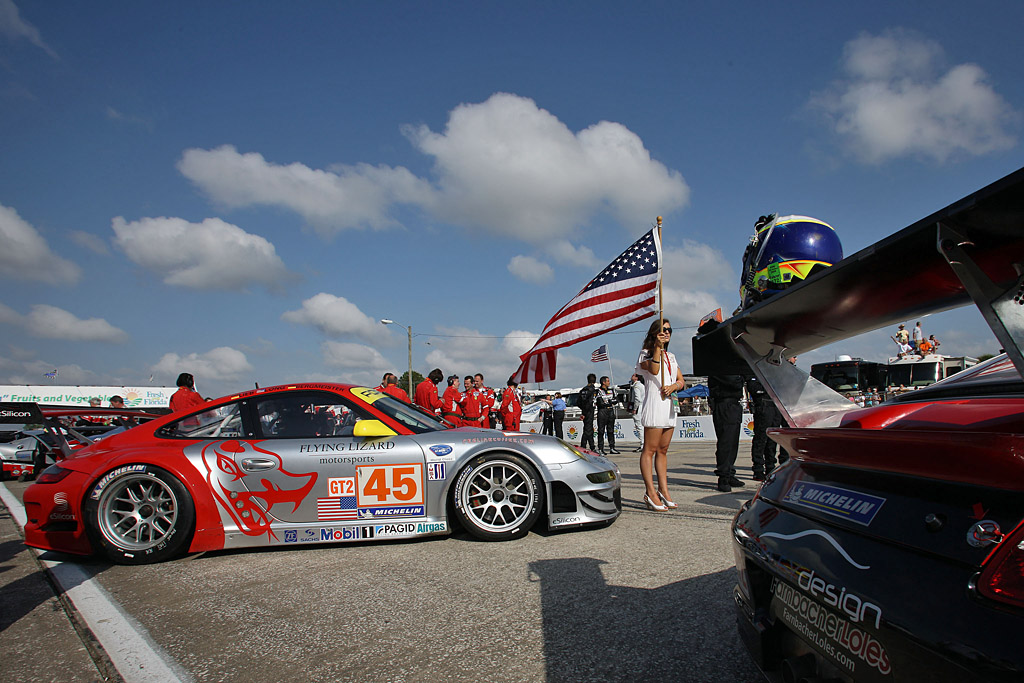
(138, 514)
(498, 497)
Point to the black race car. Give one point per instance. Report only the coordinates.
(891, 546)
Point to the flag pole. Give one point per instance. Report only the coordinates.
(661, 313)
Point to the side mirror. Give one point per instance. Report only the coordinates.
(372, 428)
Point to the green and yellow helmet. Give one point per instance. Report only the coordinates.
(784, 251)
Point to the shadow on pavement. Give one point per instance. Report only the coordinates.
(594, 631)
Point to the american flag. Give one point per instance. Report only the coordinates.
(599, 354)
(621, 294)
(330, 509)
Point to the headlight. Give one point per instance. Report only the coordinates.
(601, 477)
(572, 449)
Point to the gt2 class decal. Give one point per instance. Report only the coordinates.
(832, 500)
(390, 490)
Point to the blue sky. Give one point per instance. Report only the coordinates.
(242, 190)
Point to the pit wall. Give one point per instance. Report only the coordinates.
(698, 429)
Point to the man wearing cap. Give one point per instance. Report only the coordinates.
(426, 391)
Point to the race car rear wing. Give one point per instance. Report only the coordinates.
(972, 250)
(27, 413)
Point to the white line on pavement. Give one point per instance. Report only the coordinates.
(137, 658)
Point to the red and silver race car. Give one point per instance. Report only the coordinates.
(891, 546)
(307, 464)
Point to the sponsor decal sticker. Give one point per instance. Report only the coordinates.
(832, 500)
(441, 450)
(98, 489)
(384, 530)
(435, 471)
(291, 536)
(331, 509)
(844, 640)
(409, 511)
(561, 521)
(60, 501)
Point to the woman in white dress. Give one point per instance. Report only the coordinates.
(657, 415)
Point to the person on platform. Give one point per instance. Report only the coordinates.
(511, 407)
(426, 392)
(662, 378)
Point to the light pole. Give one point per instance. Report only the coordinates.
(408, 330)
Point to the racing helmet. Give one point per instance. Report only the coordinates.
(785, 251)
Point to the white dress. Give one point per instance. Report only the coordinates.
(657, 411)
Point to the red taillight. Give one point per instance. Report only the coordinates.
(52, 474)
(1002, 577)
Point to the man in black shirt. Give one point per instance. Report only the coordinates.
(725, 392)
(587, 395)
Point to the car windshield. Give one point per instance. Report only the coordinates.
(416, 420)
(997, 375)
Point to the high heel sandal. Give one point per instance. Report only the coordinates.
(652, 506)
(665, 500)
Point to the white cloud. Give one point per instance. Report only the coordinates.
(26, 255)
(515, 169)
(347, 197)
(208, 255)
(13, 27)
(896, 101)
(336, 316)
(529, 269)
(222, 364)
(9, 316)
(697, 266)
(89, 241)
(503, 165)
(56, 323)
(356, 356)
(564, 252)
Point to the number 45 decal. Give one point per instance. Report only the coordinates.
(389, 484)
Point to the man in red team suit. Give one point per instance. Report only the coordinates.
(511, 407)
(451, 411)
(426, 391)
(487, 400)
(391, 388)
(186, 397)
(472, 405)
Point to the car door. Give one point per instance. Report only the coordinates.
(349, 478)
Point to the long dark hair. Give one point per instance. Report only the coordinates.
(652, 335)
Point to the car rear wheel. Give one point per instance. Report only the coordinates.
(139, 514)
(498, 497)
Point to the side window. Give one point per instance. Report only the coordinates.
(305, 414)
(217, 423)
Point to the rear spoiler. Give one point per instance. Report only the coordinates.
(970, 251)
(24, 413)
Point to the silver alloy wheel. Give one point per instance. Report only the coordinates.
(137, 512)
(498, 496)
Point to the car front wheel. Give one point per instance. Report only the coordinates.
(498, 497)
(139, 514)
